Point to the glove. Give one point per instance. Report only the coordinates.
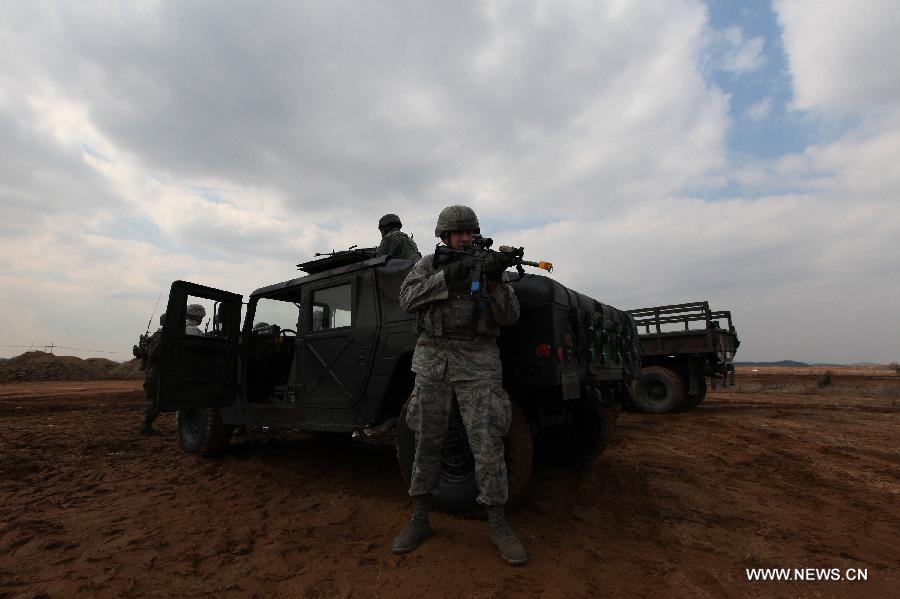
(494, 266)
(458, 271)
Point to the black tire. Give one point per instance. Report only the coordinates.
(519, 445)
(659, 390)
(457, 488)
(202, 432)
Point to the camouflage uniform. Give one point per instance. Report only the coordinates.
(149, 350)
(394, 242)
(457, 354)
(151, 380)
(399, 245)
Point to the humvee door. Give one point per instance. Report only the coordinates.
(337, 341)
(199, 365)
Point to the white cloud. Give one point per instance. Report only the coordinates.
(844, 57)
(175, 141)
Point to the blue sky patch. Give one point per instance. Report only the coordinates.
(757, 131)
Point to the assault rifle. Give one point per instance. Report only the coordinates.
(142, 349)
(478, 252)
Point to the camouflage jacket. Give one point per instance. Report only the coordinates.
(147, 348)
(458, 334)
(399, 245)
(154, 350)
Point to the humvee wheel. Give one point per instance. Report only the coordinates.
(202, 432)
(659, 390)
(589, 433)
(457, 488)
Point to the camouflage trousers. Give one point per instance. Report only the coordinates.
(486, 414)
(151, 398)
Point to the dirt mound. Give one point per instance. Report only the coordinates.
(42, 366)
(127, 370)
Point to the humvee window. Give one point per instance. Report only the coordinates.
(221, 321)
(205, 324)
(331, 308)
(283, 314)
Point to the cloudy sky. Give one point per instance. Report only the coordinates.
(656, 152)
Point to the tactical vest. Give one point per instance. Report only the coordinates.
(460, 316)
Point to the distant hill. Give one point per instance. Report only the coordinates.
(42, 366)
(782, 363)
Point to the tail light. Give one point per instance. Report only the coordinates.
(542, 351)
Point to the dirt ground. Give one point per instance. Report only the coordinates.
(777, 472)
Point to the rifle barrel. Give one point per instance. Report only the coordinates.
(543, 264)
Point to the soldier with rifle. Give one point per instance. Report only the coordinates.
(462, 297)
(149, 349)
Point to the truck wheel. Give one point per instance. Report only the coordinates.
(202, 432)
(659, 390)
(457, 488)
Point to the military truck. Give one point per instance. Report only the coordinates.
(678, 356)
(331, 352)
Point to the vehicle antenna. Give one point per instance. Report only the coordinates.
(155, 306)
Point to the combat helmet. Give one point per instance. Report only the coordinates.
(196, 312)
(456, 218)
(389, 220)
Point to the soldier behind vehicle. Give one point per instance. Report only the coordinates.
(457, 356)
(395, 242)
(195, 314)
(148, 350)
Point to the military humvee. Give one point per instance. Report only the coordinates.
(331, 351)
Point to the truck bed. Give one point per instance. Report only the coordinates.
(686, 329)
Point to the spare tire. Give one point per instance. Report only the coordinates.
(202, 432)
(457, 488)
(659, 390)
